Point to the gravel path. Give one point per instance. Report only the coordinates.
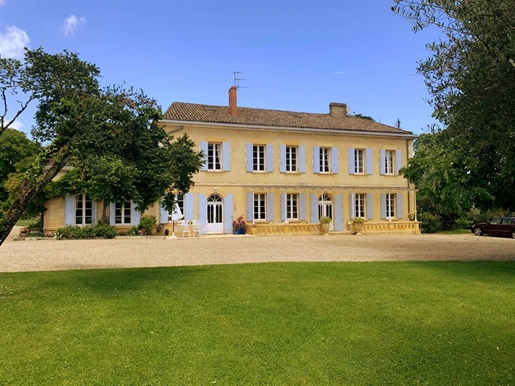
(50, 255)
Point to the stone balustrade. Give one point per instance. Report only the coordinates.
(284, 229)
(393, 227)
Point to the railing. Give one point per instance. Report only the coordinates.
(284, 229)
(400, 227)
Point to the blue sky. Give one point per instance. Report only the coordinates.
(296, 55)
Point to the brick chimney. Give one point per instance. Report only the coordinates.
(232, 100)
(337, 109)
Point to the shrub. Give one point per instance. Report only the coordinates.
(325, 220)
(86, 232)
(105, 231)
(147, 223)
(429, 223)
(463, 223)
(133, 231)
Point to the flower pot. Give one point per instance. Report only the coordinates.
(325, 228)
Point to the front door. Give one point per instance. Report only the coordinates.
(215, 209)
(325, 207)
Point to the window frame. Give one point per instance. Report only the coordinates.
(259, 206)
(389, 162)
(359, 161)
(291, 159)
(125, 212)
(325, 160)
(214, 156)
(390, 205)
(83, 200)
(292, 206)
(258, 158)
(360, 205)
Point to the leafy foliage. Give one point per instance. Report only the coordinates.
(100, 230)
(471, 77)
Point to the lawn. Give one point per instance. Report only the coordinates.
(444, 323)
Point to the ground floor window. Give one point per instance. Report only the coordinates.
(259, 206)
(292, 206)
(359, 204)
(390, 205)
(122, 213)
(83, 210)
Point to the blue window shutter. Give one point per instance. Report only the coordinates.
(269, 158)
(398, 163)
(302, 159)
(203, 147)
(313, 208)
(135, 215)
(283, 206)
(352, 205)
(369, 161)
(383, 205)
(352, 169)
(382, 163)
(399, 205)
(226, 155)
(334, 160)
(163, 214)
(202, 208)
(270, 206)
(189, 206)
(112, 213)
(228, 215)
(316, 159)
(302, 198)
(249, 154)
(250, 207)
(282, 158)
(370, 206)
(338, 212)
(94, 207)
(69, 210)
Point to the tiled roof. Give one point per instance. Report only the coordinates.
(193, 112)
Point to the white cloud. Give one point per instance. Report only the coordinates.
(12, 42)
(3, 3)
(71, 23)
(339, 73)
(17, 125)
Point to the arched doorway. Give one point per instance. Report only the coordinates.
(325, 207)
(215, 210)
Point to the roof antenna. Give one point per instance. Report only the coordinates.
(237, 79)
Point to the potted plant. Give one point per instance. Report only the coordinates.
(325, 222)
(238, 226)
(357, 224)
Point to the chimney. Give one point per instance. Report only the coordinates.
(232, 100)
(337, 109)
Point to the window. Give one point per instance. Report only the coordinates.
(388, 161)
(291, 158)
(179, 200)
(83, 210)
(359, 205)
(390, 205)
(259, 206)
(292, 206)
(258, 158)
(324, 159)
(359, 161)
(214, 156)
(122, 213)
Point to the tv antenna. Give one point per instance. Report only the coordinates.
(237, 79)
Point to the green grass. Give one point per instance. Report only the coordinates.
(438, 323)
(25, 223)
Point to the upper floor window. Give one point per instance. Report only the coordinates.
(389, 161)
(214, 156)
(83, 210)
(359, 161)
(122, 213)
(291, 158)
(258, 158)
(325, 154)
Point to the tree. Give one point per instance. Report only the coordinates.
(109, 136)
(471, 77)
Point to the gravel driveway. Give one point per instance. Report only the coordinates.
(49, 255)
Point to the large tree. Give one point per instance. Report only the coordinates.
(110, 136)
(471, 78)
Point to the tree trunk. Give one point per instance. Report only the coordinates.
(25, 194)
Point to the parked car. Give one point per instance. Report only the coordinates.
(501, 226)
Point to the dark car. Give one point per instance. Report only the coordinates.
(501, 226)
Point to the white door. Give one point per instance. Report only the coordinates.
(215, 210)
(325, 207)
